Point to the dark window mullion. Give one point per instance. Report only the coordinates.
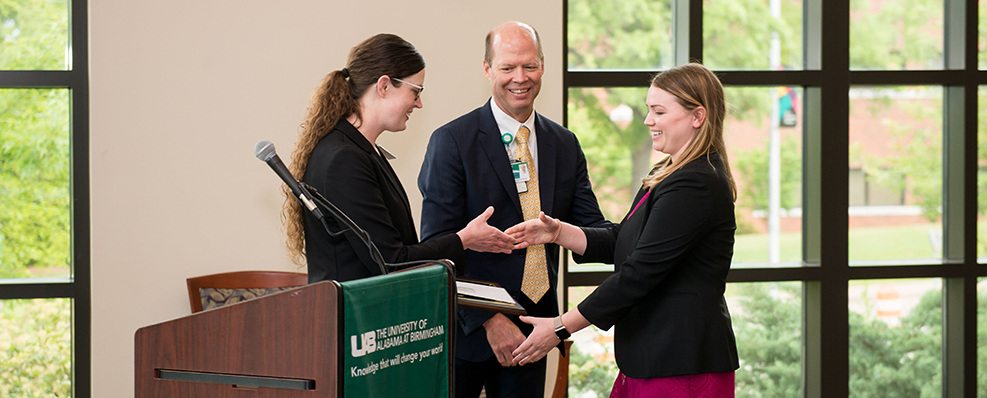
(35, 79)
(81, 239)
(959, 344)
(826, 305)
(695, 30)
(908, 78)
(641, 78)
(36, 288)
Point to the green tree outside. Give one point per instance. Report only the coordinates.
(913, 167)
(982, 339)
(903, 361)
(35, 339)
(768, 327)
(35, 223)
(589, 377)
(34, 34)
(35, 201)
(628, 34)
(982, 162)
(898, 35)
(736, 37)
(885, 361)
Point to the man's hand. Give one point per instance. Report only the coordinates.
(504, 338)
(481, 237)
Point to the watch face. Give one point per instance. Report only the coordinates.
(560, 330)
(562, 333)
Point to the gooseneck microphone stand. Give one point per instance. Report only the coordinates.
(312, 200)
(346, 222)
(321, 201)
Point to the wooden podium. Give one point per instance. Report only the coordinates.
(281, 345)
(289, 344)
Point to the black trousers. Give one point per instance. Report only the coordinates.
(526, 381)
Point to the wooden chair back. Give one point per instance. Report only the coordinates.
(233, 287)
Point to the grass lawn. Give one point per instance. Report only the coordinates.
(907, 242)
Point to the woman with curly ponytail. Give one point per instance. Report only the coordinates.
(337, 154)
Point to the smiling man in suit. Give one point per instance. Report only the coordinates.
(506, 155)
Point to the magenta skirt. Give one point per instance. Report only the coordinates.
(705, 385)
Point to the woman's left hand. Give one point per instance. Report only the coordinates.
(541, 340)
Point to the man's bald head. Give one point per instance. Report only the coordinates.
(512, 29)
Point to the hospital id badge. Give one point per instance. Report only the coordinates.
(520, 170)
(521, 176)
(522, 186)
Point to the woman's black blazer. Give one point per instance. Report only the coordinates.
(347, 171)
(671, 255)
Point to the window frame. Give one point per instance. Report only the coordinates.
(825, 272)
(77, 286)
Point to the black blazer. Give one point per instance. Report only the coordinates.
(465, 170)
(346, 170)
(672, 256)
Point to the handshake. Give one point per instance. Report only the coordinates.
(480, 236)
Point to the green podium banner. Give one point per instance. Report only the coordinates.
(396, 334)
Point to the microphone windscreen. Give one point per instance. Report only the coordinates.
(264, 150)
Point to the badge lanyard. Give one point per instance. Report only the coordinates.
(507, 139)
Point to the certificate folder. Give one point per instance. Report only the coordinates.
(487, 296)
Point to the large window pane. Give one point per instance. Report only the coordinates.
(982, 173)
(34, 183)
(35, 348)
(982, 337)
(592, 369)
(982, 37)
(763, 133)
(895, 175)
(896, 34)
(767, 321)
(34, 34)
(895, 338)
(620, 34)
(609, 124)
(752, 34)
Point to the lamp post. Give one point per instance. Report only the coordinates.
(774, 154)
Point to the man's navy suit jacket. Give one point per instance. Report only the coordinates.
(466, 169)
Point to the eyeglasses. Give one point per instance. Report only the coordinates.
(418, 92)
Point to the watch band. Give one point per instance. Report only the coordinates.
(562, 334)
(560, 329)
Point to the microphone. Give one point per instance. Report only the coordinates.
(264, 150)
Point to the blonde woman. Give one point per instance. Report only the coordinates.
(672, 331)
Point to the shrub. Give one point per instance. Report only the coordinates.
(35, 348)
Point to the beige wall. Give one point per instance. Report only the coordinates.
(180, 93)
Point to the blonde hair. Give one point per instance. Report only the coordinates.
(694, 86)
(335, 98)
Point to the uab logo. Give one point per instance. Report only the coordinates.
(368, 344)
